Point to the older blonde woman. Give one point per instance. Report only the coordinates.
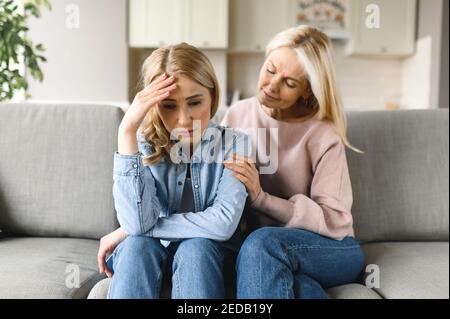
(304, 240)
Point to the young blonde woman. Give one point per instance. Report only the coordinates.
(174, 208)
(305, 241)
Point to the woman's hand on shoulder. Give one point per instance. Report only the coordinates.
(245, 170)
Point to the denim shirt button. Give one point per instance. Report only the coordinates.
(135, 165)
(196, 185)
(179, 183)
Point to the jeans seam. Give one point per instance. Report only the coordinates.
(111, 283)
(177, 278)
(293, 247)
(260, 277)
(159, 282)
(161, 272)
(286, 289)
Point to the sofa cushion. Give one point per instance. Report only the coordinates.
(352, 291)
(411, 270)
(40, 267)
(401, 182)
(56, 169)
(100, 290)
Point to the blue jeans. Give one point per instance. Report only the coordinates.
(282, 263)
(139, 264)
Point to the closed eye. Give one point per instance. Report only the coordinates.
(168, 106)
(195, 103)
(292, 86)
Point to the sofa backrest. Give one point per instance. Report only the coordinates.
(56, 165)
(401, 182)
(56, 172)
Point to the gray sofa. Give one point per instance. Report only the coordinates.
(56, 200)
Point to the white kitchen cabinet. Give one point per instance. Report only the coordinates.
(155, 23)
(255, 22)
(207, 23)
(165, 22)
(395, 35)
(136, 23)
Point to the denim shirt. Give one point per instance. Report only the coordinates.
(148, 198)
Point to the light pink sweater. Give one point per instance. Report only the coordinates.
(311, 188)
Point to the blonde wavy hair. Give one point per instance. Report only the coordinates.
(182, 59)
(314, 51)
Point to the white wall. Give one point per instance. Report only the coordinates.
(368, 83)
(218, 59)
(429, 25)
(88, 63)
(422, 71)
(416, 80)
(443, 94)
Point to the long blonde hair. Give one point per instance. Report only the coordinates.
(314, 51)
(181, 59)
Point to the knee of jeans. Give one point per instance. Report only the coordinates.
(197, 249)
(260, 241)
(138, 247)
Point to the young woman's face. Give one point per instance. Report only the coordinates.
(282, 80)
(189, 102)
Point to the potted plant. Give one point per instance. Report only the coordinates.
(18, 55)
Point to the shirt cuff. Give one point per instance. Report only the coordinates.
(128, 164)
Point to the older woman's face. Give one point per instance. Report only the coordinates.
(282, 80)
